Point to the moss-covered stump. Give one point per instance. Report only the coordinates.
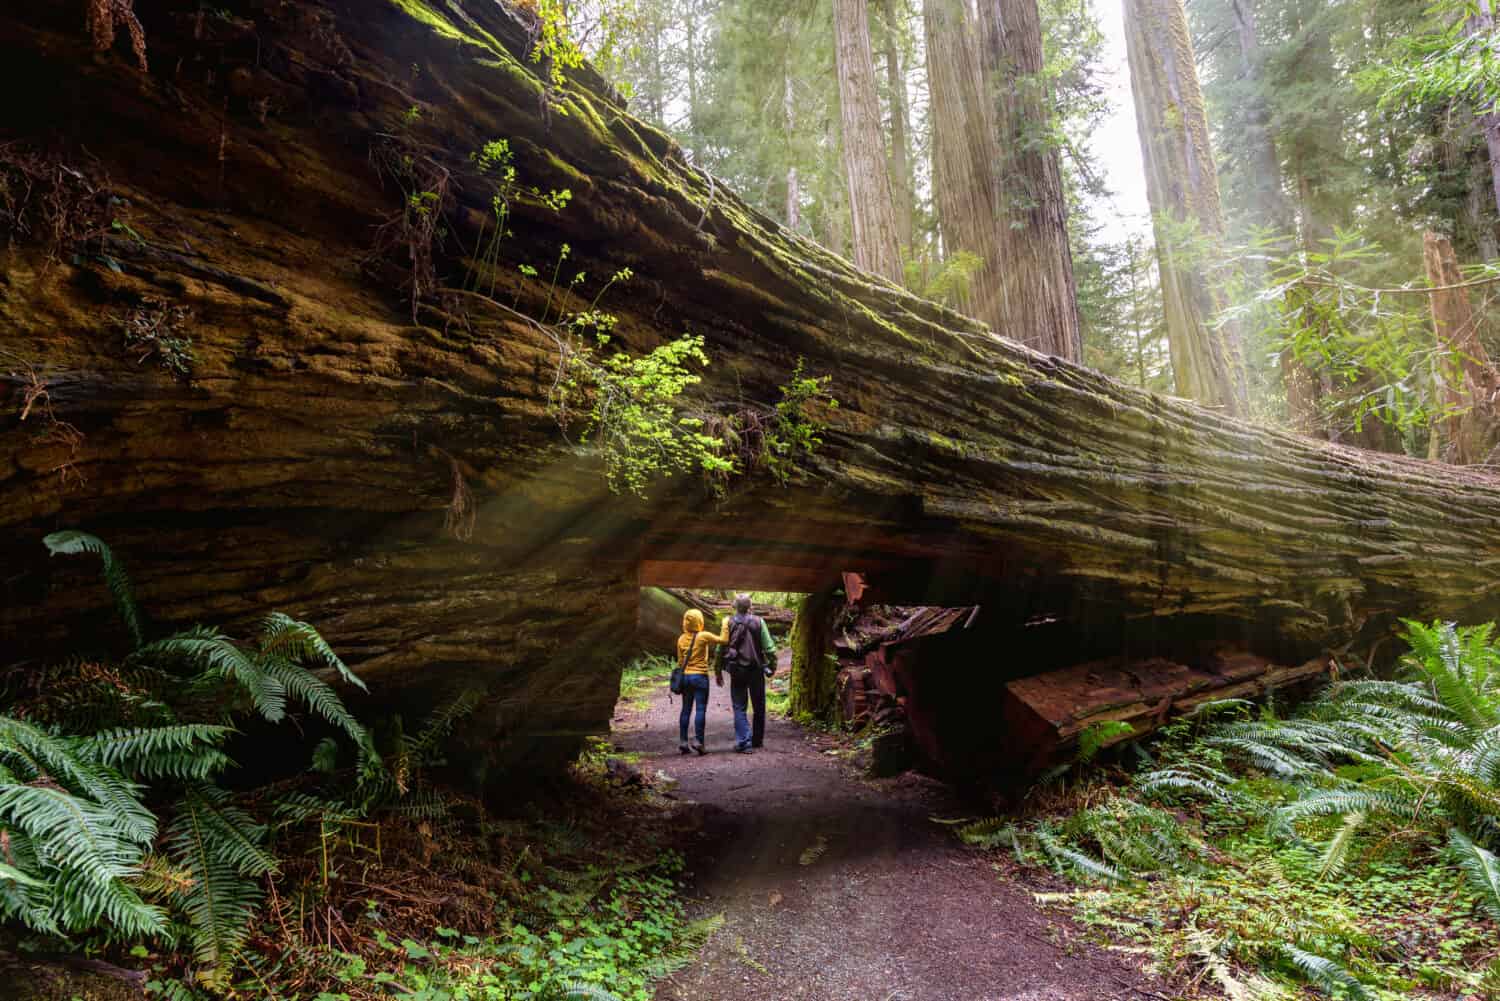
(813, 689)
(391, 471)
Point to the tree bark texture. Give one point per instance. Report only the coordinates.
(902, 190)
(307, 459)
(1469, 379)
(1489, 116)
(872, 212)
(965, 181)
(1038, 294)
(1183, 190)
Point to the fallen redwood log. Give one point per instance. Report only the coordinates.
(1045, 714)
(392, 472)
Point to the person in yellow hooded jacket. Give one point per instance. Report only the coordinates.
(693, 647)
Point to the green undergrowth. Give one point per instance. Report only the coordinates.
(337, 867)
(644, 677)
(1346, 850)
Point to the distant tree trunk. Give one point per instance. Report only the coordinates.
(812, 689)
(1038, 293)
(690, 64)
(1489, 119)
(1268, 201)
(1183, 191)
(872, 213)
(965, 178)
(789, 121)
(901, 176)
(1467, 376)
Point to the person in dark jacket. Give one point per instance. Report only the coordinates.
(749, 655)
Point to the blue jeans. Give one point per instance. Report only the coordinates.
(694, 691)
(752, 691)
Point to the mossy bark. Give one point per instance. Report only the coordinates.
(1038, 294)
(814, 690)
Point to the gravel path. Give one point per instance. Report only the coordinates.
(836, 888)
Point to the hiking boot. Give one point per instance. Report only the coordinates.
(682, 748)
(698, 746)
(743, 749)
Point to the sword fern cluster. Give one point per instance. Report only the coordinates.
(1370, 767)
(82, 842)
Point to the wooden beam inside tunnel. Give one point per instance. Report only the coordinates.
(743, 576)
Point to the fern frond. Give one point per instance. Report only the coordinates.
(440, 724)
(988, 833)
(186, 752)
(297, 641)
(312, 692)
(687, 943)
(72, 542)
(1074, 859)
(83, 855)
(1326, 974)
(1481, 869)
(218, 658)
(219, 845)
(1337, 802)
(1336, 854)
(35, 755)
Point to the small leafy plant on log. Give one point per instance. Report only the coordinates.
(628, 408)
(154, 329)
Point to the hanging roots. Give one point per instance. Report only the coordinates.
(36, 401)
(462, 511)
(105, 16)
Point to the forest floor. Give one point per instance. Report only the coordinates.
(839, 888)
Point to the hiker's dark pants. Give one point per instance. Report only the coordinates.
(753, 689)
(694, 692)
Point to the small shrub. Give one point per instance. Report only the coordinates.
(154, 329)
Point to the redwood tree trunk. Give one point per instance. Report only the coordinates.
(1468, 377)
(1183, 191)
(1038, 293)
(901, 174)
(965, 179)
(872, 212)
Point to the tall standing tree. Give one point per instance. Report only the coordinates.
(902, 188)
(1037, 289)
(1183, 191)
(965, 181)
(872, 210)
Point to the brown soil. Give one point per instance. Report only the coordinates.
(893, 908)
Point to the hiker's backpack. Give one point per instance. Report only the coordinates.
(742, 653)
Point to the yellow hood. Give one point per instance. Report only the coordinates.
(692, 621)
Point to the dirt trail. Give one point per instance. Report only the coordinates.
(840, 889)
